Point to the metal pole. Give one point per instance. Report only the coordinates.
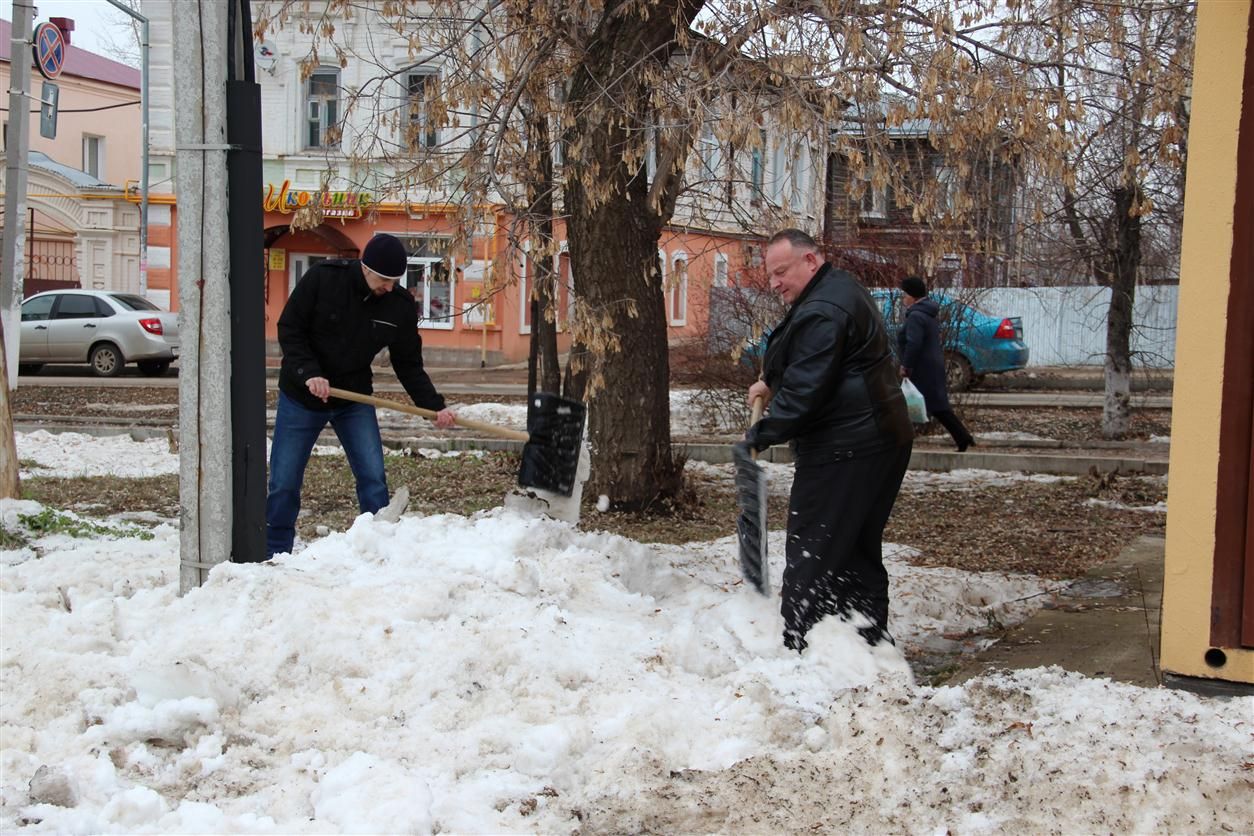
(13, 246)
(143, 115)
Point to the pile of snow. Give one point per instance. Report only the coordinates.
(502, 673)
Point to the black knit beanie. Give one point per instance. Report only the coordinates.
(385, 254)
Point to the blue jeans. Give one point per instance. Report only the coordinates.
(296, 431)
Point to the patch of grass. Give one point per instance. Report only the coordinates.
(12, 539)
(52, 521)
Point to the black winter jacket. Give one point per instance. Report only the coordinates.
(919, 345)
(833, 378)
(333, 326)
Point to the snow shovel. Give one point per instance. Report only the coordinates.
(751, 499)
(550, 456)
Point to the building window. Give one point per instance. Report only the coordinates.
(720, 270)
(422, 88)
(874, 200)
(430, 283)
(779, 172)
(301, 262)
(677, 290)
(322, 107)
(800, 184)
(93, 155)
(711, 152)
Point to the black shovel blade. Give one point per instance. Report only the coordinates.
(550, 459)
(751, 524)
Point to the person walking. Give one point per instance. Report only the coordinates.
(340, 315)
(923, 361)
(832, 390)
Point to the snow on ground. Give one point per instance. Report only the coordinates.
(1011, 435)
(502, 673)
(80, 454)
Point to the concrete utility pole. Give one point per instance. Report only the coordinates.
(13, 248)
(221, 395)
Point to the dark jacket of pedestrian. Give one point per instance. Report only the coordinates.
(833, 376)
(333, 326)
(919, 345)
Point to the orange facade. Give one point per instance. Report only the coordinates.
(473, 300)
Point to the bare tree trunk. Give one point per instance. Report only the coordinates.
(613, 250)
(630, 412)
(1125, 259)
(9, 483)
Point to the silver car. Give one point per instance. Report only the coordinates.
(104, 329)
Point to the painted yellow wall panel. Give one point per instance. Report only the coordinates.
(1205, 267)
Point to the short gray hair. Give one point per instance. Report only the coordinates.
(796, 237)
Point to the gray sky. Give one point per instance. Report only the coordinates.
(95, 22)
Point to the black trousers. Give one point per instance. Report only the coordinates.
(837, 513)
(953, 424)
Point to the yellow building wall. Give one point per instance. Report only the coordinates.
(1205, 272)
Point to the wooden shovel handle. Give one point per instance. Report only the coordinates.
(490, 429)
(759, 403)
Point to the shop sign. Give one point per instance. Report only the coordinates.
(278, 259)
(333, 204)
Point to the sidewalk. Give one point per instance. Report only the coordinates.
(1105, 624)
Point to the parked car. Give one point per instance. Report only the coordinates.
(975, 342)
(104, 329)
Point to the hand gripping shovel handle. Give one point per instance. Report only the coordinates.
(490, 429)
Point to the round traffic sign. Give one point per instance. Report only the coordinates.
(49, 49)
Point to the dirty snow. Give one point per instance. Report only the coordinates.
(502, 673)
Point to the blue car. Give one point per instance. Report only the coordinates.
(975, 343)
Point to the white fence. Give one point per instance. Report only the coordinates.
(1066, 326)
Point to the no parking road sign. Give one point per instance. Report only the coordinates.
(50, 49)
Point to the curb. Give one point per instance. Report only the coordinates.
(921, 458)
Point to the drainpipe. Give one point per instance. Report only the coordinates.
(143, 109)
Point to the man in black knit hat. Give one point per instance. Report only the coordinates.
(340, 315)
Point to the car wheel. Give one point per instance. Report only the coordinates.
(154, 368)
(106, 360)
(958, 374)
(29, 368)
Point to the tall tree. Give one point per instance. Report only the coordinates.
(631, 87)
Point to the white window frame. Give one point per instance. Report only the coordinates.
(428, 136)
(879, 201)
(947, 183)
(677, 290)
(777, 172)
(722, 270)
(98, 157)
(799, 201)
(711, 153)
(425, 322)
(757, 171)
(299, 263)
(325, 121)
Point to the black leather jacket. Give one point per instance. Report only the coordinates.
(333, 326)
(834, 383)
